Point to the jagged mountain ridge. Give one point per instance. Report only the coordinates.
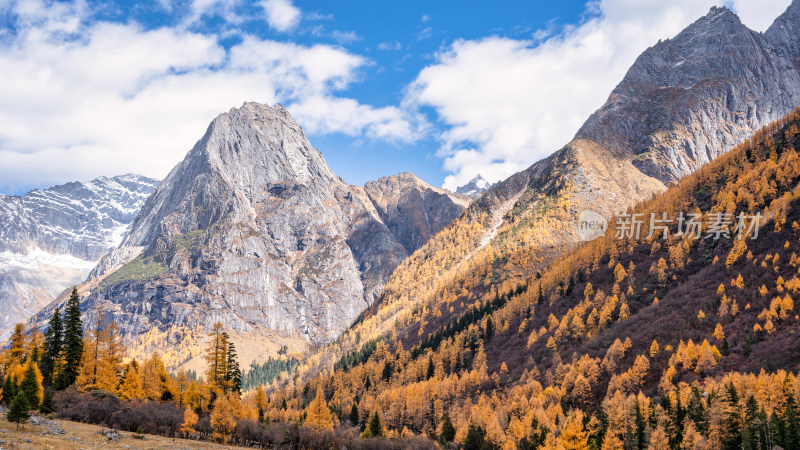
(254, 230)
(79, 219)
(51, 238)
(526, 221)
(688, 99)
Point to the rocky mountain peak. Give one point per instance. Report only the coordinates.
(247, 155)
(278, 141)
(476, 186)
(716, 12)
(783, 32)
(687, 99)
(254, 230)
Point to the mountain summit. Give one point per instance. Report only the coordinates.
(475, 187)
(688, 99)
(253, 229)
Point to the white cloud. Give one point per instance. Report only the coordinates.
(390, 46)
(210, 8)
(78, 100)
(758, 15)
(390, 123)
(345, 37)
(425, 33)
(508, 103)
(281, 14)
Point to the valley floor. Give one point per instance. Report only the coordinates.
(81, 436)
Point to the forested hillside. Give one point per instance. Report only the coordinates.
(687, 339)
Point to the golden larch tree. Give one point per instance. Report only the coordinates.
(217, 357)
(223, 418)
(318, 415)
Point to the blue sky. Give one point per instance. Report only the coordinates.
(442, 89)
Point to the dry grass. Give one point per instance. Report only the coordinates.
(85, 436)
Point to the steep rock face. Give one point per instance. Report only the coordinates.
(51, 238)
(254, 230)
(688, 99)
(413, 210)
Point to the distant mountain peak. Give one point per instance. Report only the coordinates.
(476, 186)
(51, 238)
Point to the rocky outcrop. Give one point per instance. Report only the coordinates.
(51, 238)
(688, 99)
(254, 230)
(413, 210)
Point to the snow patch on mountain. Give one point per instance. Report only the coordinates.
(50, 239)
(474, 187)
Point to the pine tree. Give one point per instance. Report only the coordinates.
(790, 418)
(748, 346)
(354, 417)
(18, 410)
(374, 429)
(31, 386)
(233, 376)
(695, 409)
(10, 387)
(448, 430)
(431, 368)
(388, 370)
(73, 341)
(640, 426)
(733, 422)
(750, 425)
(475, 438)
(53, 341)
(47, 405)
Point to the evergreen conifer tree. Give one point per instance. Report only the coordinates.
(47, 406)
(234, 374)
(30, 386)
(448, 430)
(18, 410)
(73, 341)
(53, 341)
(374, 429)
(354, 417)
